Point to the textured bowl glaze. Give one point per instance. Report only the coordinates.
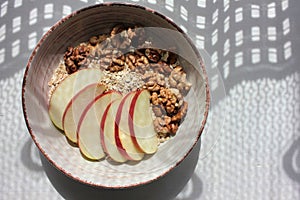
(79, 27)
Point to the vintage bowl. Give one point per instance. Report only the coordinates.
(160, 176)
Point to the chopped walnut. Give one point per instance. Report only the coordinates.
(165, 126)
(172, 58)
(168, 109)
(137, 36)
(154, 78)
(181, 113)
(117, 29)
(158, 110)
(76, 57)
(141, 63)
(177, 79)
(94, 40)
(152, 55)
(117, 64)
(161, 67)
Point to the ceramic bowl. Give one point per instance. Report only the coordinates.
(149, 175)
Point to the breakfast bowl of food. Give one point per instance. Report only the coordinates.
(115, 97)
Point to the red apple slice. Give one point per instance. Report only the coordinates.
(107, 132)
(122, 133)
(67, 89)
(141, 123)
(88, 129)
(76, 106)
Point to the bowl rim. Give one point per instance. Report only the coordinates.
(76, 12)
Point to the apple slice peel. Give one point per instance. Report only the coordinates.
(75, 108)
(122, 133)
(67, 89)
(88, 128)
(107, 133)
(140, 123)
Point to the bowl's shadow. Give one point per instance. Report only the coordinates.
(291, 161)
(193, 189)
(28, 155)
(168, 184)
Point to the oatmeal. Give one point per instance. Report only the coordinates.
(127, 69)
(59, 74)
(123, 81)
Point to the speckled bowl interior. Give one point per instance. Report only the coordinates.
(78, 27)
